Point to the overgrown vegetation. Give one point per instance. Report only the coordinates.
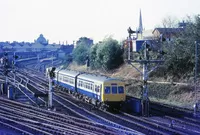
(80, 54)
(179, 57)
(106, 55)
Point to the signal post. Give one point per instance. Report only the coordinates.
(50, 92)
(5, 72)
(145, 48)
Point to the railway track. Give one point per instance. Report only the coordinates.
(170, 110)
(91, 116)
(146, 122)
(30, 120)
(22, 88)
(125, 123)
(133, 122)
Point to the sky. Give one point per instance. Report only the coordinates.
(67, 20)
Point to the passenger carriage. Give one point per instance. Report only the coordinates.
(66, 78)
(101, 90)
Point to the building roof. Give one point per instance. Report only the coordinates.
(96, 78)
(168, 30)
(41, 40)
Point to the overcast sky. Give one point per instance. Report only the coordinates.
(67, 20)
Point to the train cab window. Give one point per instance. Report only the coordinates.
(114, 89)
(107, 90)
(120, 89)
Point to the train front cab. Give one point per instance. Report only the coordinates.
(113, 94)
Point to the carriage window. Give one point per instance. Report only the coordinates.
(87, 86)
(60, 78)
(65, 79)
(107, 90)
(71, 81)
(114, 89)
(120, 89)
(90, 86)
(81, 83)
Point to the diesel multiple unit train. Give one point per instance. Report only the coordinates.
(99, 90)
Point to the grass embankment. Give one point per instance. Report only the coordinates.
(169, 93)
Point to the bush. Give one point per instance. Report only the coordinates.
(106, 55)
(80, 54)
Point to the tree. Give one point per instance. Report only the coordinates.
(179, 60)
(80, 54)
(85, 41)
(93, 54)
(169, 22)
(106, 55)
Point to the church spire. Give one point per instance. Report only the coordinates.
(140, 23)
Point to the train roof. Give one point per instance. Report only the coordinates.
(86, 76)
(97, 78)
(68, 72)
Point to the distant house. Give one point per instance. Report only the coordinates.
(52, 47)
(166, 34)
(61, 54)
(18, 47)
(7, 47)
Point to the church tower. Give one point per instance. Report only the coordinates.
(140, 23)
(140, 29)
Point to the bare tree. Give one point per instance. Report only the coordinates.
(170, 22)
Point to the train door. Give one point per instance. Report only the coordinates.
(97, 91)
